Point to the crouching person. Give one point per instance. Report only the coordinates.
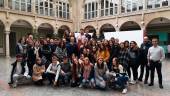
(101, 73)
(53, 71)
(76, 70)
(19, 73)
(38, 72)
(87, 74)
(65, 74)
(118, 74)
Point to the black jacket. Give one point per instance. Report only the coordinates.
(23, 64)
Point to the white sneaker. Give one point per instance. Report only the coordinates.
(124, 91)
(132, 82)
(80, 86)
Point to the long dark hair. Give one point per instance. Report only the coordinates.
(100, 66)
(62, 46)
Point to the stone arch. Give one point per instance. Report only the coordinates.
(159, 28)
(19, 28)
(129, 26)
(62, 29)
(45, 30)
(90, 28)
(107, 28)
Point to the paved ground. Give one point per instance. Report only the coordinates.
(134, 90)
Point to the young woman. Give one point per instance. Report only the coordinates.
(103, 52)
(93, 54)
(133, 54)
(76, 73)
(101, 73)
(118, 75)
(61, 51)
(87, 74)
(123, 56)
(38, 72)
(53, 71)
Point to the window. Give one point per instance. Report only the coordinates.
(109, 7)
(29, 5)
(90, 10)
(128, 4)
(85, 11)
(62, 9)
(123, 6)
(44, 7)
(1, 3)
(157, 3)
(131, 5)
(68, 11)
(150, 4)
(165, 2)
(21, 5)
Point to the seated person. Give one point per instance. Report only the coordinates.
(119, 76)
(65, 74)
(38, 72)
(87, 74)
(19, 73)
(53, 71)
(101, 73)
(76, 70)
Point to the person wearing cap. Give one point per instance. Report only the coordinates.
(19, 73)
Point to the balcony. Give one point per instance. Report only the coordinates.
(112, 8)
(41, 8)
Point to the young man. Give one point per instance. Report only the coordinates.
(65, 73)
(155, 57)
(19, 73)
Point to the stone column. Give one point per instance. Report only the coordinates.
(144, 4)
(33, 7)
(6, 4)
(7, 51)
(119, 7)
(99, 9)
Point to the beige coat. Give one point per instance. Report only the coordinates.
(37, 72)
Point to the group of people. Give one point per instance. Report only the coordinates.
(85, 62)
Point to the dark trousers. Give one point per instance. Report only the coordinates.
(134, 68)
(168, 55)
(158, 66)
(50, 77)
(65, 79)
(122, 81)
(144, 66)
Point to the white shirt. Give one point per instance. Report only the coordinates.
(18, 68)
(156, 53)
(168, 48)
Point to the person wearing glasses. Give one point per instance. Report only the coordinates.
(155, 57)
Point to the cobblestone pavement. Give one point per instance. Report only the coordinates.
(30, 90)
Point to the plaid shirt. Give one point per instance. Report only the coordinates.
(123, 57)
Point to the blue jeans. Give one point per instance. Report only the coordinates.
(122, 81)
